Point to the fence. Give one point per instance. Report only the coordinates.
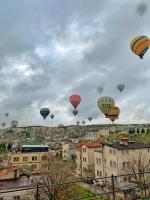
(134, 186)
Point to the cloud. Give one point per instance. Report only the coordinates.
(51, 49)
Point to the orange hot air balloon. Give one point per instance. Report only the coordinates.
(114, 113)
(140, 45)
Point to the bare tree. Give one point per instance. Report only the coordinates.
(53, 185)
(139, 167)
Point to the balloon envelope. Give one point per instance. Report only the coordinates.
(141, 9)
(44, 112)
(83, 122)
(14, 123)
(140, 45)
(75, 112)
(114, 113)
(52, 116)
(100, 89)
(105, 104)
(78, 122)
(75, 100)
(90, 119)
(6, 114)
(121, 87)
(3, 124)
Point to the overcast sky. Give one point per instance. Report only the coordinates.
(52, 49)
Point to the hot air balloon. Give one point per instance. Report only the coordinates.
(75, 100)
(3, 124)
(60, 125)
(120, 87)
(78, 122)
(52, 116)
(100, 89)
(114, 113)
(75, 112)
(83, 122)
(6, 114)
(141, 9)
(90, 119)
(105, 104)
(14, 123)
(44, 112)
(139, 45)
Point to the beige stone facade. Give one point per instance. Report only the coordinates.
(85, 158)
(36, 161)
(119, 158)
(68, 150)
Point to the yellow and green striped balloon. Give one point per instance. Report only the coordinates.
(105, 104)
(139, 45)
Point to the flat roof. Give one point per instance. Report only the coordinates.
(135, 145)
(34, 145)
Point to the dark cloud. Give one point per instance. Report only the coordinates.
(51, 49)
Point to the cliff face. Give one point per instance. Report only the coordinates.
(42, 133)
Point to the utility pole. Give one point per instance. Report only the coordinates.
(37, 192)
(113, 186)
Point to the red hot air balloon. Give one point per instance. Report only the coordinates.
(75, 100)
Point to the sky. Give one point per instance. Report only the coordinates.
(50, 50)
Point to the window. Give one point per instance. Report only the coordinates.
(44, 158)
(34, 166)
(114, 164)
(16, 159)
(97, 172)
(100, 174)
(17, 197)
(124, 165)
(128, 164)
(1, 198)
(84, 159)
(34, 157)
(148, 150)
(114, 151)
(84, 149)
(96, 160)
(111, 163)
(25, 159)
(110, 151)
(44, 165)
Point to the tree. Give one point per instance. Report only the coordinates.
(138, 166)
(52, 185)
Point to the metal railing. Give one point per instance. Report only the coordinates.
(112, 187)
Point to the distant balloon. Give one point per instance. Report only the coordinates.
(83, 122)
(3, 124)
(90, 119)
(78, 122)
(75, 100)
(60, 126)
(75, 112)
(141, 9)
(6, 114)
(14, 123)
(140, 45)
(114, 113)
(120, 87)
(52, 116)
(44, 112)
(100, 89)
(105, 104)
